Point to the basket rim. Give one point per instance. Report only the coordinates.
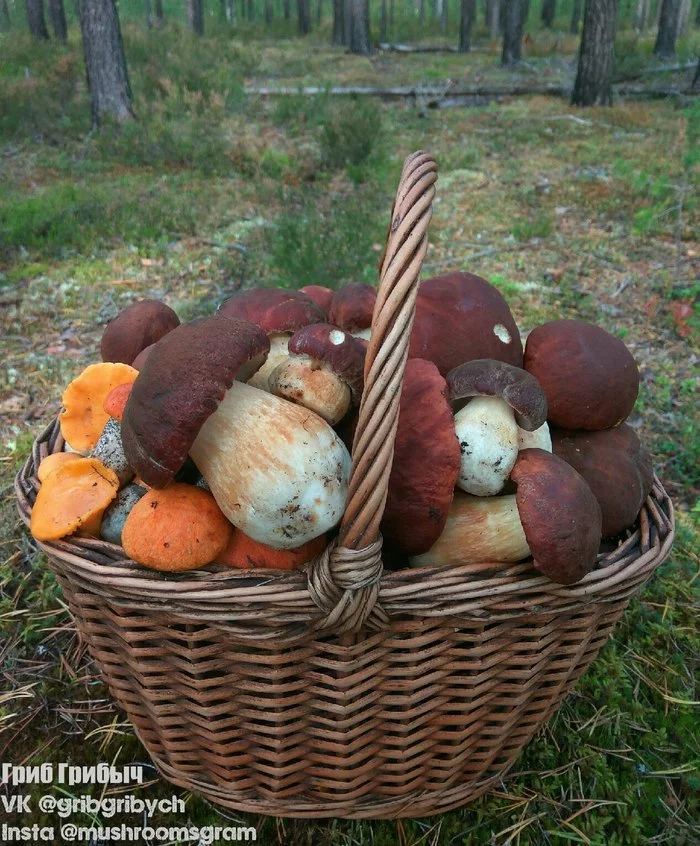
(279, 602)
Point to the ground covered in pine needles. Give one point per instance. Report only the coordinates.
(592, 214)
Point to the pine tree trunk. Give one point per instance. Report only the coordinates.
(358, 40)
(36, 19)
(575, 17)
(107, 77)
(160, 17)
(304, 17)
(593, 86)
(195, 16)
(391, 17)
(683, 18)
(287, 6)
(443, 16)
(549, 11)
(319, 12)
(148, 13)
(467, 16)
(268, 12)
(339, 39)
(641, 16)
(58, 20)
(512, 32)
(251, 10)
(493, 8)
(421, 11)
(665, 46)
(383, 23)
(5, 22)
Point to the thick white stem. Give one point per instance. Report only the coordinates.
(539, 439)
(478, 529)
(278, 471)
(488, 438)
(279, 352)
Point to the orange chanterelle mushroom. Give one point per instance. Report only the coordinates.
(73, 498)
(83, 417)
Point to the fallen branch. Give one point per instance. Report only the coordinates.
(414, 48)
(653, 71)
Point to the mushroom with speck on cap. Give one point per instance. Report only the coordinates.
(506, 400)
(553, 516)
(279, 313)
(461, 317)
(352, 308)
(590, 378)
(321, 295)
(426, 462)
(616, 467)
(277, 470)
(324, 371)
(135, 328)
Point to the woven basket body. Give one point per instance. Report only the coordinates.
(345, 691)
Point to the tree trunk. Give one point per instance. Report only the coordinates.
(268, 12)
(319, 12)
(696, 78)
(575, 17)
(160, 17)
(358, 40)
(467, 16)
(593, 85)
(339, 39)
(512, 32)
(304, 17)
(493, 10)
(148, 13)
(5, 22)
(549, 11)
(287, 6)
(683, 18)
(421, 11)
(58, 20)
(443, 16)
(391, 17)
(383, 23)
(107, 77)
(195, 16)
(641, 16)
(36, 19)
(231, 11)
(665, 46)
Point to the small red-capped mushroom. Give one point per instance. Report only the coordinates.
(352, 307)
(136, 328)
(278, 471)
(425, 465)
(461, 317)
(279, 313)
(140, 359)
(589, 376)
(616, 467)
(321, 295)
(324, 371)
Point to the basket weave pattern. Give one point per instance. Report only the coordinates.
(344, 691)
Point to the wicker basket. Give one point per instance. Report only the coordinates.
(343, 691)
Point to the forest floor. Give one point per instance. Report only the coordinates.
(592, 214)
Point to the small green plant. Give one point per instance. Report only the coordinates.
(350, 134)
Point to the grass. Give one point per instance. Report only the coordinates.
(590, 214)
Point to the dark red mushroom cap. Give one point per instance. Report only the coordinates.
(352, 307)
(616, 467)
(342, 352)
(486, 377)
(426, 462)
(140, 359)
(589, 376)
(181, 384)
(135, 328)
(321, 295)
(273, 309)
(560, 516)
(461, 317)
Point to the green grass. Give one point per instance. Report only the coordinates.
(212, 191)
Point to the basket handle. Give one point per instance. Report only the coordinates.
(344, 581)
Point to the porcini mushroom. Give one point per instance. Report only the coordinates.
(589, 376)
(249, 554)
(135, 328)
(352, 307)
(277, 470)
(324, 371)
(321, 295)
(277, 311)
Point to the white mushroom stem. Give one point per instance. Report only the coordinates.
(478, 529)
(488, 438)
(311, 383)
(279, 352)
(539, 439)
(365, 334)
(277, 470)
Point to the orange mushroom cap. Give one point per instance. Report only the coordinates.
(177, 528)
(246, 553)
(84, 417)
(53, 462)
(73, 498)
(116, 400)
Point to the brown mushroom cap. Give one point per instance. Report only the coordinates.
(560, 515)
(135, 328)
(486, 377)
(589, 376)
(321, 295)
(461, 317)
(352, 307)
(274, 310)
(616, 467)
(342, 352)
(181, 384)
(426, 462)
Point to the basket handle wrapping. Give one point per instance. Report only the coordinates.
(344, 580)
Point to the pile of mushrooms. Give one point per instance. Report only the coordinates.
(226, 439)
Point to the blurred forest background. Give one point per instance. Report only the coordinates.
(225, 144)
